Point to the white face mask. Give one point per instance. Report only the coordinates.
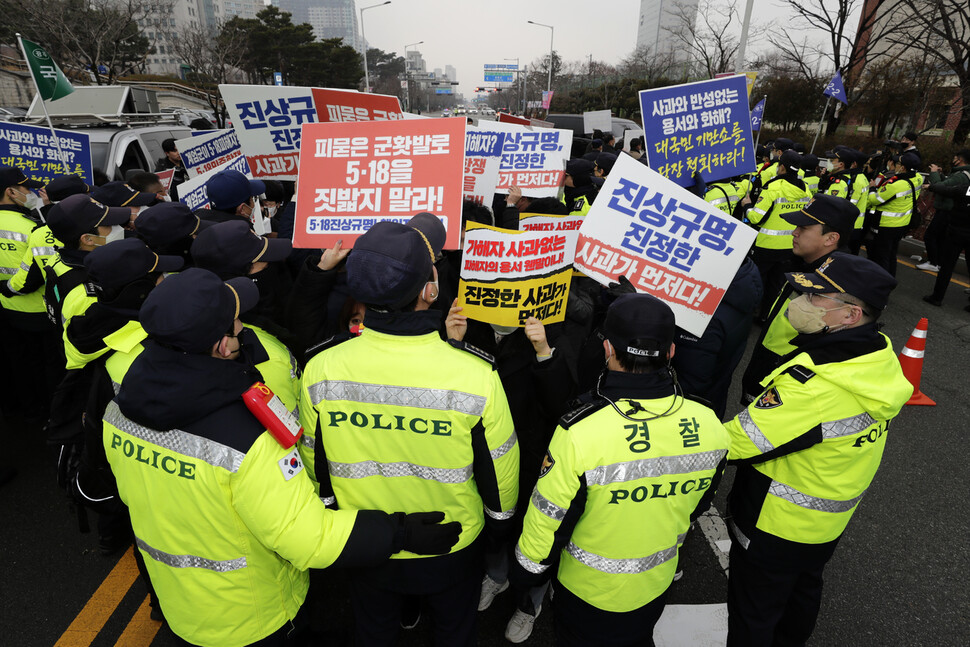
(117, 233)
(32, 201)
(269, 212)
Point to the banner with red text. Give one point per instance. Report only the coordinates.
(338, 106)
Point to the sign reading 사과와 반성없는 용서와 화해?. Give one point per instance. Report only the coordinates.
(34, 151)
(353, 175)
(703, 126)
(664, 239)
(508, 276)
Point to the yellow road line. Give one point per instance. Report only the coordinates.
(908, 264)
(141, 631)
(102, 604)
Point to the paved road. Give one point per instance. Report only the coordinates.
(898, 577)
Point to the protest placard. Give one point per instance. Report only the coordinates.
(533, 159)
(166, 177)
(483, 154)
(267, 120)
(34, 151)
(664, 239)
(597, 120)
(508, 276)
(335, 106)
(629, 136)
(702, 126)
(353, 175)
(751, 77)
(506, 118)
(192, 192)
(206, 152)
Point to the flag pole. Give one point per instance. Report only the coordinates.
(758, 138)
(57, 140)
(819, 132)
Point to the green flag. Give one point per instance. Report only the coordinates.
(51, 82)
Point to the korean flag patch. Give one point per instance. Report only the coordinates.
(291, 465)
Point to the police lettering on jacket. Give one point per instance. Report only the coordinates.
(167, 464)
(363, 420)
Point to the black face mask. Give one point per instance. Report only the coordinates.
(268, 281)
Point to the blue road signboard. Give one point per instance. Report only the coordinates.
(498, 78)
(33, 150)
(703, 126)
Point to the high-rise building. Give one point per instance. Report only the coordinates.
(329, 18)
(657, 19)
(451, 73)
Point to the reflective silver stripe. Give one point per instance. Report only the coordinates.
(13, 235)
(650, 467)
(499, 516)
(847, 426)
(8, 270)
(504, 448)
(390, 470)
(24, 266)
(629, 566)
(754, 432)
(547, 507)
(776, 232)
(402, 396)
(328, 500)
(909, 352)
(740, 536)
(904, 193)
(43, 251)
(528, 564)
(116, 387)
(788, 493)
(894, 214)
(178, 441)
(757, 210)
(919, 333)
(717, 201)
(308, 441)
(191, 561)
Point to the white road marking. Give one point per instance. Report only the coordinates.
(717, 535)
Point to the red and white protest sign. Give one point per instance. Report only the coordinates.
(353, 175)
(337, 106)
(165, 177)
(664, 239)
(506, 118)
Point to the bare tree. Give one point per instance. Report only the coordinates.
(644, 63)
(703, 32)
(215, 57)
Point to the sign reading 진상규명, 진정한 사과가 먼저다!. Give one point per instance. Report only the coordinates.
(700, 127)
(353, 175)
(533, 159)
(665, 240)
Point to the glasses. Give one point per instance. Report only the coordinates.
(812, 295)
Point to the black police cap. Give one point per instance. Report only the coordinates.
(167, 222)
(194, 309)
(838, 213)
(783, 144)
(119, 194)
(13, 176)
(228, 248)
(640, 324)
(119, 263)
(389, 265)
(79, 214)
(63, 186)
(790, 159)
(847, 274)
(433, 229)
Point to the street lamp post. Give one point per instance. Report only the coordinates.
(518, 75)
(552, 32)
(364, 38)
(407, 70)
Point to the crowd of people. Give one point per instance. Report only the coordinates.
(174, 356)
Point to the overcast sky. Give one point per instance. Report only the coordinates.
(469, 33)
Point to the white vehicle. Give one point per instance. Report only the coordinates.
(473, 111)
(488, 112)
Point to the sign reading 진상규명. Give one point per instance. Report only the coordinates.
(665, 240)
(353, 175)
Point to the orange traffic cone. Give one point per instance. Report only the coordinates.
(911, 359)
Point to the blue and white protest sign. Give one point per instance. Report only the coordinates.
(533, 159)
(206, 152)
(483, 155)
(192, 192)
(703, 126)
(757, 115)
(835, 89)
(34, 151)
(667, 242)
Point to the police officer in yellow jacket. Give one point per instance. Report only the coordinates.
(891, 206)
(821, 229)
(222, 511)
(808, 448)
(406, 421)
(772, 252)
(626, 473)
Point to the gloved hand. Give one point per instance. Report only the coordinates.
(424, 534)
(617, 289)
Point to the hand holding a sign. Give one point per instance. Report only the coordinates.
(332, 257)
(456, 324)
(536, 333)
